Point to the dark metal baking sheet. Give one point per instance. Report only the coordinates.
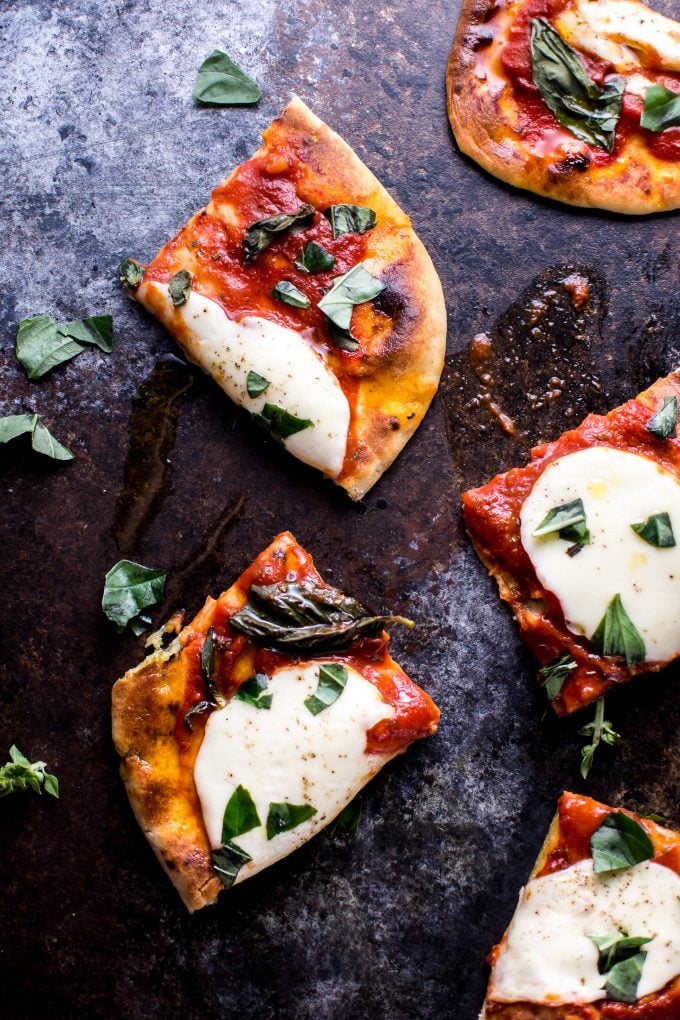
(104, 155)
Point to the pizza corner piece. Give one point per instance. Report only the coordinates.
(596, 932)
(260, 723)
(582, 544)
(303, 290)
(577, 100)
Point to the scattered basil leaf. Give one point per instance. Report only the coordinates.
(283, 817)
(654, 816)
(256, 384)
(228, 861)
(350, 219)
(179, 286)
(623, 979)
(221, 82)
(620, 842)
(315, 258)
(128, 589)
(663, 423)
(131, 273)
(657, 530)
(97, 330)
(260, 234)
(140, 624)
(42, 439)
(16, 425)
(240, 815)
(616, 634)
(553, 675)
(294, 617)
(567, 515)
(198, 709)
(661, 109)
(352, 288)
(281, 423)
(20, 774)
(601, 731)
(41, 344)
(615, 948)
(346, 825)
(287, 292)
(253, 692)
(332, 680)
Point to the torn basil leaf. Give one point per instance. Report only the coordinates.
(128, 589)
(346, 825)
(287, 292)
(616, 947)
(260, 234)
(561, 518)
(198, 709)
(657, 530)
(220, 82)
(283, 817)
(332, 680)
(41, 344)
(663, 423)
(624, 977)
(179, 287)
(240, 815)
(559, 74)
(315, 258)
(661, 109)
(140, 624)
(253, 692)
(352, 288)
(553, 675)
(281, 423)
(350, 219)
(616, 634)
(42, 439)
(600, 731)
(21, 774)
(256, 384)
(228, 861)
(131, 273)
(620, 842)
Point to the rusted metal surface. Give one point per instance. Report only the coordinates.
(104, 155)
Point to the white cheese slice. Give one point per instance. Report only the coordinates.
(618, 489)
(287, 754)
(548, 957)
(300, 380)
(627, 34)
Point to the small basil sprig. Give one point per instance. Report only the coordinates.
(350, 219)
(315, 259)
(352, 288)
(240, 815)
(21, 774)
(279, 423)
(287, 292)
(260, 234)
(256, 384)
(41, 344)
(332, 680)
(600, 731)
(228, 861)
(568, 521)
(616, 634)
(128, 589)
(131, 273)
(621, 960)
(346, 825)
(559, 74)
(663, 423)
(283, 816)
(179, 287)
(661, 109)
(221, 82)
(553, 675)
(619, 842)
(657, 530)
(253, 692)
(42, 439)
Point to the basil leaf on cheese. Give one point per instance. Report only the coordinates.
(352, 288)
(283, 817)
(256, 384)
(131, 273)
(663, 423)
(553, 675)
(179, 286)
(240, 815)
(559, 74)
(616, 947)
(567, 515)
(128, 589)
(198, 709)
(228, 861)
(253, 692)
(332, 680)
(661, 109)
(260, 234)
(281, 423)
(346, 825)
(41, 344)
(620, 842)
(624, 977)
(287, 292)
(315, 258)
(657, 530)
(350, 219)
(616, 634)
(221, 82)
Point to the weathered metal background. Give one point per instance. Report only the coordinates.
(104, 154)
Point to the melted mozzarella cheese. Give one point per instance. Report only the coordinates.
(625, 33)
(548, 957)
(618, 489)
(300, 380)
(287, 754)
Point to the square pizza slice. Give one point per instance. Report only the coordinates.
(582, 544)
(260, 722)
(596, 932)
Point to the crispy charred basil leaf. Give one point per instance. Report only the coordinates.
(209, 665)
(620, 842)
(283, 817)
(41, 344)
(253, 692)
(256, 384)
(293, 617)
(287, 292)
(315, 258)
(240, 815)
(42, 439)
(20, 774)
(198, 709)
(332, 680)
(553, 675)
(128, 589)
(657, 530)
(352, 288)
(131, 273)
(663, 423)
(346, 825)
(559, 74)
(179, 287)
(661, 109)
(616, 634)
(221, 82)
(600, 731)
(350, 219)
(281, 423)
(228, 861)
(260, 234)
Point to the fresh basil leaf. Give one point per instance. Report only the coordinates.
(623, 979)
(131, 273)
(657, 530)
(283, 817)
(616, 947)
(281, 423)
(576, 533)
(620, 842)
(228, 861)
(315, 258)
(97, 330)
(198, 709)
(601, 731)
(20, 774)
(616, 634)
(179, 286)
(332, 680)
(350, 219)
(553, 675)
(654, 816)
(559, 74)
(567, 515)
(253, 692)
(256, 384)
(42, 439)
(41, 344)
(287, 292)
(16, 425)
(663, 423)
(352, 288)
(240, 815)
(661, 109)
(260, 234)
(128, 589)
(221, 82)
(346, 825)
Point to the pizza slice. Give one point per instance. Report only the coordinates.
(304, 292)
(578, 100)
(596, 932)
(582, 542)
(260, 722)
